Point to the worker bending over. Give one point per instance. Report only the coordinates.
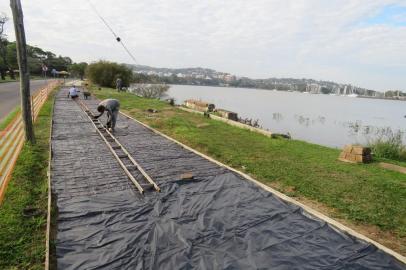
(73, 92)
(112, 107)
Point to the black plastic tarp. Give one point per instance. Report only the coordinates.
(218, 220)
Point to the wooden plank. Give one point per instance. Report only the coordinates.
(112, 138)
(127, 172)
(149, 179)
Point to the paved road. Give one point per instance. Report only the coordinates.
(10, 95)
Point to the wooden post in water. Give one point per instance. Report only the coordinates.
(24, 72)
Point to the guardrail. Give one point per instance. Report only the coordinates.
(12, 137)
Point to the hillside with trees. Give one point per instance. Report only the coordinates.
(210, 77)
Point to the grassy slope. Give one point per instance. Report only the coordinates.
(361, 194)
(8, 79)
(9, 117)
(22, 240)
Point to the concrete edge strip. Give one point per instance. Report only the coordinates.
(48, 230)
(230, 122)
(282, 196)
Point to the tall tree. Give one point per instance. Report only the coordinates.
(3, 47)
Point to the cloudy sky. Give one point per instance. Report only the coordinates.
(362, 42)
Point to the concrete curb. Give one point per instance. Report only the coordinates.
(231, 122)
(48, 230)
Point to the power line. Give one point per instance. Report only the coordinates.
(118, 39)
(128, 51)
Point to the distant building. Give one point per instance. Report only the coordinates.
(229, 78)
(347, 90)
(313, 88)
(375, 94)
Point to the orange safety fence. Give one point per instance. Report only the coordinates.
(12, 137)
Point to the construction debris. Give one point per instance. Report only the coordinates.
(199, 105)
(152, 110)
(356, 154)
(186, 176)
(227, 114)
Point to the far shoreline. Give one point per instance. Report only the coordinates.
(288, 91)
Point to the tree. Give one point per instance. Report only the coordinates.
(78, 69)
(12, 55)
(4, 65)
(151, 90)
(105, 73)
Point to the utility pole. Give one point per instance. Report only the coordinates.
(24, 72)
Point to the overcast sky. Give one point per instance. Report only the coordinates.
(362, 42)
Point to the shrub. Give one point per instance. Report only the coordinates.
(388, 144)
(105, 73)
(150, 90)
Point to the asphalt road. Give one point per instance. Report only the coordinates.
(10, 95)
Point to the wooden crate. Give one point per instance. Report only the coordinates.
(355, 154)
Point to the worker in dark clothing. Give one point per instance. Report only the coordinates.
(119, 84)
(112, 106)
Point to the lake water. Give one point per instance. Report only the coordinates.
(322, 119)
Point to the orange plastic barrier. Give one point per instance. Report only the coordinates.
(12, 137)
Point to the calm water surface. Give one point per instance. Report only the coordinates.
(321, 119)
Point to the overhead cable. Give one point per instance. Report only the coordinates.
(118, 39)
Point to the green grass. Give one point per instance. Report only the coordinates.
(8, 79)
(396, 162)
(33, 77)
(22, 239)
(363, 194)
(389, 145)
(7, 120)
